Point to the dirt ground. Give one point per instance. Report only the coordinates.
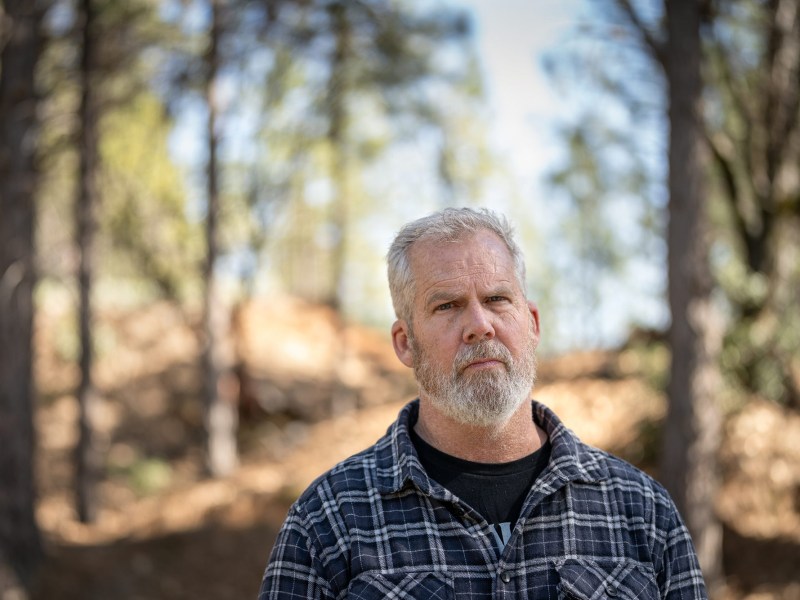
(165, 531)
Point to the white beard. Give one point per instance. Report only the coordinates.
(485, 398)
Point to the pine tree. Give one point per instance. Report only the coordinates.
(21, 41)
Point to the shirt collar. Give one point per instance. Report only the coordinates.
(398, 464)
(396, 458)
(570, 458)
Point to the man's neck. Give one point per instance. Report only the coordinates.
(517, 438)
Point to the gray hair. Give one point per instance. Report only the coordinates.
(448, 225)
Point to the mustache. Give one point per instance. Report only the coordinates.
(485, 350)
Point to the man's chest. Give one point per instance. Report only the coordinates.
(414, 546)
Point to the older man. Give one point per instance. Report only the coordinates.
(476, 491)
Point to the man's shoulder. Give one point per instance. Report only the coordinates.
(621, 470)
(632, 484)
(357, 474)
(349, 475)
(592, 463)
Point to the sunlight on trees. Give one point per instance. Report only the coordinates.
(234, 153)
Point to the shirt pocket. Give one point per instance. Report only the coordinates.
(416, 586)
(581, 579)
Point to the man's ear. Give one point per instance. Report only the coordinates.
(535, 316)
(402, 342)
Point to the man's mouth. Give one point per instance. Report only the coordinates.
(483, 363)
(484, 357)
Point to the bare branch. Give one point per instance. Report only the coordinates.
(655, 48)
(720, 145)
(747, 117)
(783, 70)
(734, 86)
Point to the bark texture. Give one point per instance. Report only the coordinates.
(221, 417)
(87, 456)
(20, 544)
(692, 433)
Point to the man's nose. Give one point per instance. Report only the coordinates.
(478, 325)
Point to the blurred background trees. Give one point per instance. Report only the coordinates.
(119, 203)
(750, 111)
(203, 153)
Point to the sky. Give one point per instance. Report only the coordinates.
(512, 37)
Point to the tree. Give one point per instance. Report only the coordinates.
(112, 39)
(464, 162)
(344, 57)
(692, 428)
(667, 36)
(20, 544)
(87, 457)
(143, 229)
(377, 54)
(220, 408)
(368, 69)
(233, 37)
(378, 49)
(612, 220)
(755, 144)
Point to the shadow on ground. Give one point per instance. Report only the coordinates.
(213, 562)
(762, 563)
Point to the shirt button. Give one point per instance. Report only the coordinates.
(505, 577)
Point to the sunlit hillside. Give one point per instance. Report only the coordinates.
(165, 531)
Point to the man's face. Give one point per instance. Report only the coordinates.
(473, 338)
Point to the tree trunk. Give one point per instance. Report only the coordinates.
(337, 136)
(692, 430)
(87, 457)
(20, 544)
(221, 419)
(342, 397)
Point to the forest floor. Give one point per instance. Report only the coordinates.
(164, 531)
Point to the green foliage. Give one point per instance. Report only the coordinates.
(755, 198)
(144, 475)
(648, 359)
(608, 186)
(366, 78)
(586, 182)
(149, 476)
(147, 232)
(143, 230)
(407, 76)
(752, 46)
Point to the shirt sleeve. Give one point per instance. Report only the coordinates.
(294, 570)
(682, 578)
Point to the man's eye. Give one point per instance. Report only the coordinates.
(496, 298)
(445, 306)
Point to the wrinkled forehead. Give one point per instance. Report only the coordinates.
(474, 253)
(480, 240)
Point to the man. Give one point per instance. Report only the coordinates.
(476, 491)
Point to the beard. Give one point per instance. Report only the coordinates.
(483, 398)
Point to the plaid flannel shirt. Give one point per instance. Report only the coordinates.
(376, 526)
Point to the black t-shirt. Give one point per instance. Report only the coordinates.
(496, 491)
